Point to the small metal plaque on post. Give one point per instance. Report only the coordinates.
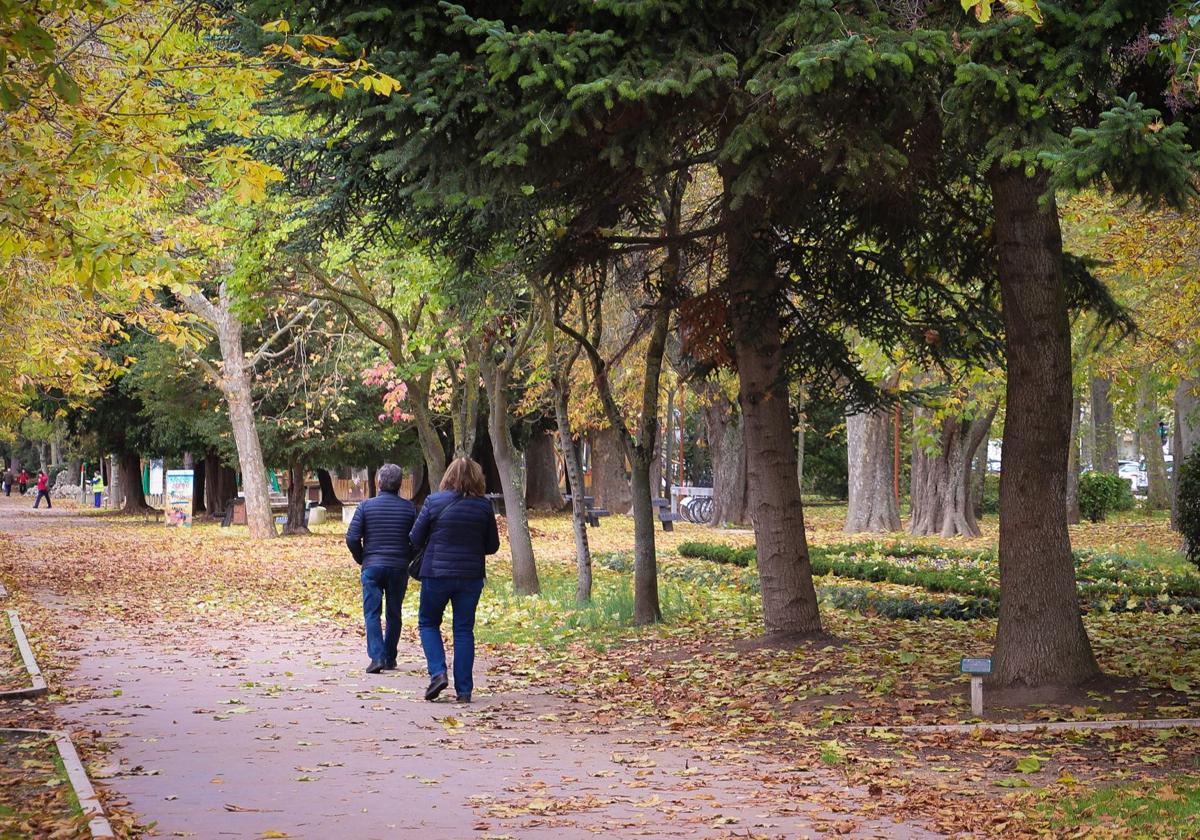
(976, 667)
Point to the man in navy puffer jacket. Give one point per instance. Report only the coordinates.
(457, 529)
(378, 539)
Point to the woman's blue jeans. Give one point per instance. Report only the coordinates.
(463, 596)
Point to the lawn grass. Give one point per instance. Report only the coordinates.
(12, 668)
(1162, 808)
(36, 798)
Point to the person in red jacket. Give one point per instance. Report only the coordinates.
(43, 488)
(23, 482)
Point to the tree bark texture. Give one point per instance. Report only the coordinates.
(726, 447)
(511, 465)
(1103, 427)
(130, 469)
(1073, 515)
(328, 493)
(1158, 491)
(235, 384)
(789, 599)
(869, 454)
(942, 501)
(217, 485)
(574, 470)
(1187, 433)
(431, 442)
(1040, 637)
(541, 471)
(199, 487)
(295, 507)
(610, 482)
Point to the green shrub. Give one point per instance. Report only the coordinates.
(718, 553)
(1188, 511)
(1100, 494)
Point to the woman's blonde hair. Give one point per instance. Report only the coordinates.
(464, 476)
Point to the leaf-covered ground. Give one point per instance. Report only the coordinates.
(808, 721)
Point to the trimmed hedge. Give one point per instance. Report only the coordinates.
(726, 555)
(1103, 579)
(868, 601)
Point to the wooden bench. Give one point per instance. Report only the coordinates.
(591, 514)
(665, 516)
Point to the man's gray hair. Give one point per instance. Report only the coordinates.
(388, 478)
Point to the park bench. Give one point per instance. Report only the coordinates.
(665, 515)
(590, 513)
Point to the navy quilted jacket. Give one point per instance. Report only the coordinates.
(460, 538)
(378, 533)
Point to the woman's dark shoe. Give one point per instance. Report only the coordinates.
(390, 665)
(462, 698)
(436, 686)
(375, 667)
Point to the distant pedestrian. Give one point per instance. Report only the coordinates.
(8, 481)
(378, 539)
(98, 487)
(23, 482)
(456, 529)
(43, 490)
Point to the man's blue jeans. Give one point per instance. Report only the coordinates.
(378, 583)
(463, 596)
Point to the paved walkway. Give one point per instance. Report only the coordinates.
(277, 732)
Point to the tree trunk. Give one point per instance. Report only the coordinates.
(979, 479)
(296, 499)
(1187, 434)
(723, 428)
(1040, 638)
(130, 470)
(464, 400)
(570, 456)
(512, 476)
(541, 471)
(427, 434)
(328, 493)
(1158, 492)
(785, 573)
(801, 428)
(869, 454)
(55, 451)
(199, 487)
(1103, 427)
(219, 482)
(610, 484)
(1073, 516)
(941, 480)
(250, 459)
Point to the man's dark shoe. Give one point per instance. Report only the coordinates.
(462, 698)
(436, 686)
(375, 667)
(390, 666)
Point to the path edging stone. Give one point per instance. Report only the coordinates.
(89, 803)
(1049, 726)
(37, 682)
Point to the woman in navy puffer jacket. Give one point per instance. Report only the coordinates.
(462, 533)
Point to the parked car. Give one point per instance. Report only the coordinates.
(1132, 472)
